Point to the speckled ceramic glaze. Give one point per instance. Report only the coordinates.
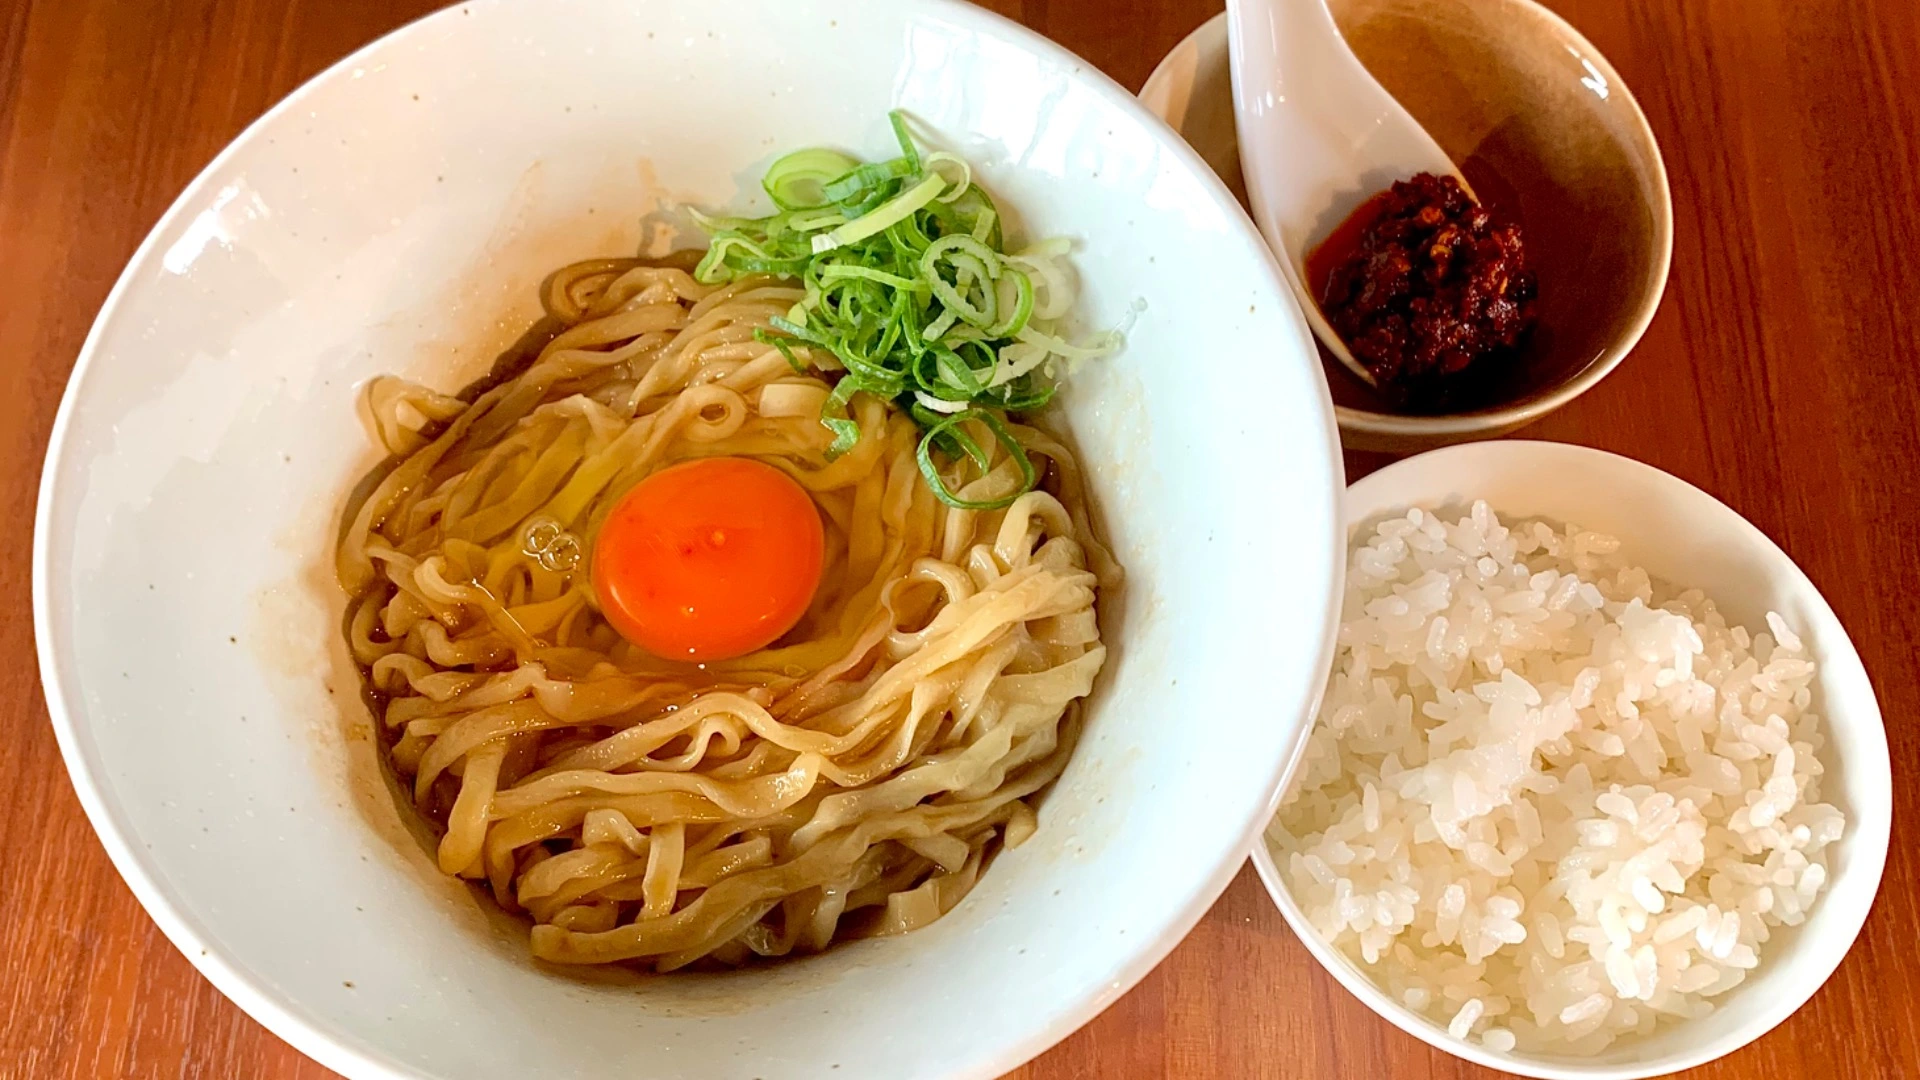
(396, 215)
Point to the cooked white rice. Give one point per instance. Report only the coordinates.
(1547, 803)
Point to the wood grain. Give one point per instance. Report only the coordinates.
(1779, 375)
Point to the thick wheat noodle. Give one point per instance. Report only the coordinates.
(852, 779)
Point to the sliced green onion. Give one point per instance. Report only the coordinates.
(972, 260)
(955, 373)
(815, 220)
(834, 417)
(1022, 313)
(1025, 395)
(983, 225)
(1051, 248)
(955, 188)
(939, 405)
(939, 327)
(715, 225)
(786, 350)
(845, 270)
(797, 181)
(910, 296)
(865, 178)
(794, 329)
(878, 219)
(1100, 345)
(909, 150)
(1038, 260)
(908, 238)
(846, 433)
(1016, 360)
(950, 426)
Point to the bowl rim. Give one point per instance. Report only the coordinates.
(1870, 849)
(310, 1031)
(1208, 44)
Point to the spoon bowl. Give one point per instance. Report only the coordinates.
(1318, 137)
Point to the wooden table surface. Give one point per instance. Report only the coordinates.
(1780, 375)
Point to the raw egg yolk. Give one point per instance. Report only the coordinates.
(709, 560)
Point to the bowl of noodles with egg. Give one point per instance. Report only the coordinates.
(592, 542)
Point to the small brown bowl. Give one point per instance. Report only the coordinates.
(1544, 130)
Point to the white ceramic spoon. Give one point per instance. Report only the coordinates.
(1318, 136)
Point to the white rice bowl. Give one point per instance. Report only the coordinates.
(1551, 802)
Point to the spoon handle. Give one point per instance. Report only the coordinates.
(1318, 135)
